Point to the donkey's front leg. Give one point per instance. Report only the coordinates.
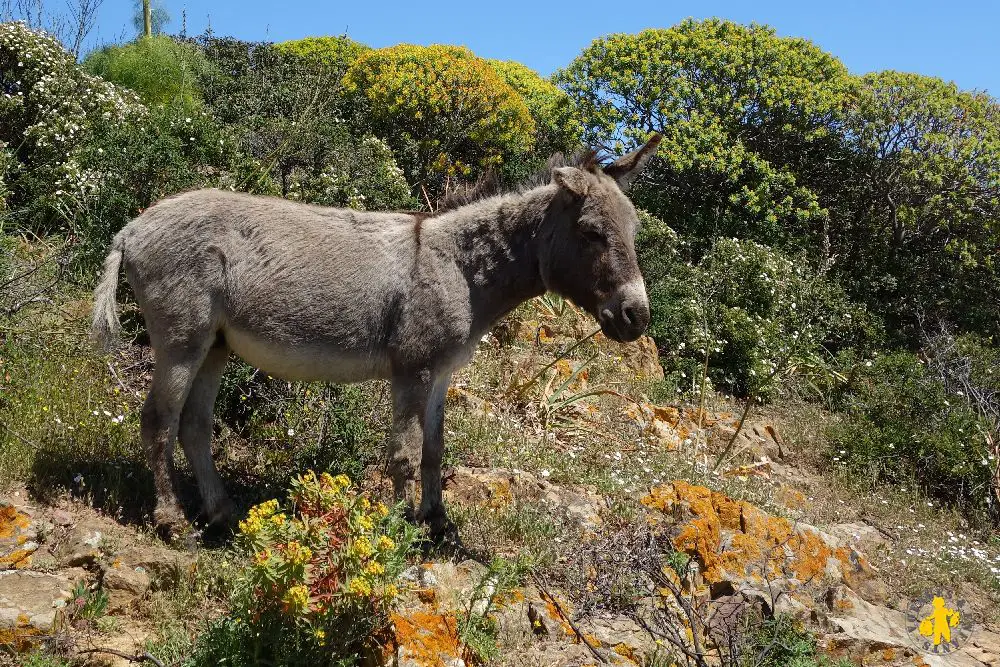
(431, 504)
(409, 404)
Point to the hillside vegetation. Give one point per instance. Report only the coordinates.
(821, 254)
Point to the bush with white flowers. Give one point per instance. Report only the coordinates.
(48, 107)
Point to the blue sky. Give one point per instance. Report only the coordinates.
(958, 40)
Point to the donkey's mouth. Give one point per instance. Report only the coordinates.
(617, 330)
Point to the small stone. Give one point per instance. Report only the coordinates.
(62, 518)
(134, 581)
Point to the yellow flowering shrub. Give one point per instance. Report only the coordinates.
(443, 110)
(321, 573)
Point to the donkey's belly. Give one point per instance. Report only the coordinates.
(296, 361)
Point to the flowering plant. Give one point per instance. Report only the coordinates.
(325, 566)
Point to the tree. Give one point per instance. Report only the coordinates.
(160, 69)
(150, 18)
(747, 120)
(922, 236)
(443, 111)
(557, 126)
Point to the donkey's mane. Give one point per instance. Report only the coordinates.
(488, 185)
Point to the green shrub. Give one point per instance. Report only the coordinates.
(48, 109)
(160, 69)
(903, 426)
(361, 174)
(334, 52)
(320, 578)
(781, 641)
(133, 164)
(758, 313)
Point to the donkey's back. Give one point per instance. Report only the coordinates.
(300, 291)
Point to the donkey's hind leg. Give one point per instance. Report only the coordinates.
(196, 433)
(172, 378)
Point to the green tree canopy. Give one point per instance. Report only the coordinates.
(922, 235)
(746, 118)
(160, 69)
(443, 110)
(557, 127)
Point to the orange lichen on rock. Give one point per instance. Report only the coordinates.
(427, 639)
(12, 521)
(18, 559)
(22, 636)
(556, 613)
(732, 539)
(628, 652)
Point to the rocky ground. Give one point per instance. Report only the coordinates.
(763, 536)
(745, 556)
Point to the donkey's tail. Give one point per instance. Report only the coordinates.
(105, 330)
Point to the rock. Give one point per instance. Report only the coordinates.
(80, 546)
(123, 578)
(426, 639)
(643, 358)
(164, 567)
(61, 518)
(499, 488)
(30, 604)
(858, 535)
(733, 541)
(18, 537)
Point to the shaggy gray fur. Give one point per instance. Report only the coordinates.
(312, 293)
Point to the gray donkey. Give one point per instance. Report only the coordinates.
(315, 293)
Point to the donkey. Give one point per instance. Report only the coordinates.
(316, 293)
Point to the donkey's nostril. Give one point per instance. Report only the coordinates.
(629, 314)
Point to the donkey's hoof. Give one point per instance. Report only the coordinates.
(221, 514)
(171, 522)
(441, 530)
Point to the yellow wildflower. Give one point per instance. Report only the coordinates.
(296, 598)
(320, 635)
(365, 522)
(385, 543)
(391, 591)
(375, 569)
(261, 557)
(297, 554)
(342, 481)
(360, 586)
(251, 526)
(362, 547)
(326, 480)
(382, 510)
(278, 519)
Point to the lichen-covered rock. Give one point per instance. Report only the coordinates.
(734, 541)
(30, 604)
(18, 537)
(499, 488)
(426, 639)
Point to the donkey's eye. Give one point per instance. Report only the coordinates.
(594, 236)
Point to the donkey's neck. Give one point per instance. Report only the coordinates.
(497, 242)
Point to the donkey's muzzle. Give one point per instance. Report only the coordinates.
(625, 316)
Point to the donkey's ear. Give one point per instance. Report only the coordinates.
(572, 180)
(628, 167)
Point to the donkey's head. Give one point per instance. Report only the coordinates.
(590, 256)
